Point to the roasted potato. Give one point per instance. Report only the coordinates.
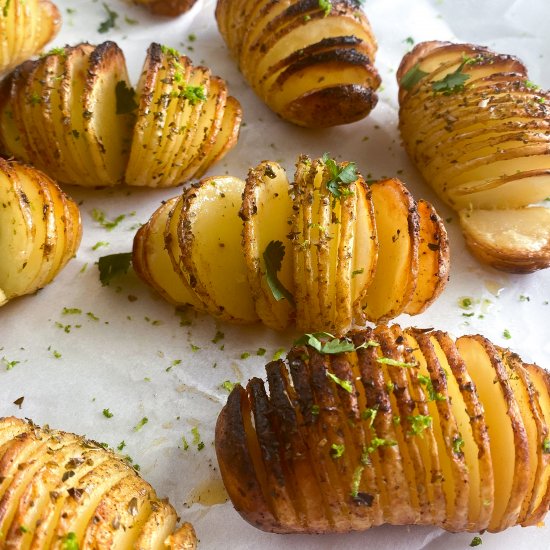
(74, 114)
(59, 490)
(40, 230)
(389, 426)
(477, 129)
(170, 8)
(26, 26)
(312, 63)
(326, 251)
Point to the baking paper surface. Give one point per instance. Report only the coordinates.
(130, 353)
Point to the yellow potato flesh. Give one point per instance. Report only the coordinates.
(216, 250)
(497, 421)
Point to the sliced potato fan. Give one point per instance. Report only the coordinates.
(74, 114)
(40, 230)
(311, 63)
(59, 491)
(26, 26)
(389, 426)
(326, 251)
(477, 128)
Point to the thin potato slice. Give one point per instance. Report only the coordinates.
(211, 248)
(266, 197)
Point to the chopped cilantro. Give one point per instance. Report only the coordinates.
(140, 424)
(394, 363)
(374, 444)
(273, 259)
(419, 423)
(228, 386)
(193, 94)
(278, 354)
(217, 337)
(121, 445)
(344, 384)
(125, 98)
(452, 82)
(130, 21)
(370, 414)
(315, 410)
(109, 225)
(328, 344)
(185, 443)
(69, 542)
(357, 272)
(107, 413)
(194, 348)
(109, 23)
(326, 6)
(458, 443)
(9, 364)
(6, 8)
(113, 265)
(465, 302)
(356, 480)
(546, 446)
(197, 438)
(71, 311)
(506, 334)
(56, 354)
(23, 529)
(245, 355)
(412, 77)
(341, 176)
(409, 41)
(337, 451)
(476, 541)
(261, 352)
(432, 394)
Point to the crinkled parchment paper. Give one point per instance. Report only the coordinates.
(127, 351)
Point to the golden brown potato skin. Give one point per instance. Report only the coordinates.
(171, 8)
(312, 66)
(477, 129)
(40, 230)
(405, 429)
(58, 487)
(26, 26)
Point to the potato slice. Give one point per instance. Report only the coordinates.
(266, 211)
(433, 259)
(209, 234)
(508, 438)
(397, 228)
(511, 240)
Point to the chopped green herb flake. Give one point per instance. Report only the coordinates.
(337, 451)
(506, 334)
(261, 352)
(327, 344)
(419, 423)
(113, 265)
(185, 443)
(121, 445)
(228, 386)
(71, 311)
(476, 541)
(245, 355)
(140, 424)
(452, 82)
(370, 414)
(357, 272)
(458, 443)
(344, 384)
(432, 394)
(218, 336)
(412, 77)
(100, 217)
(125, 98)
(326, 6)
(69, 542)
(315, 410)
(546, 446)
(273, 259)
(374, 444)
(341, 177)
(107, 413)
(394, 363)
(9, 364)
(278, 354)
(465, 302)
(109, 23)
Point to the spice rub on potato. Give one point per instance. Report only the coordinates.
(170, 8)
(389, 426)
(74, 114)
(40, 230)
(326, 251)
(478, 130)
(26, 26)
(59, 490)
(311, 62)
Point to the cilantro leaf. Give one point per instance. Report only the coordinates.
(394, 363)
(273, 259)
(69, 542)
(412, 77)
(109, 23)
(344, 384)
(336, 450)
(341, 176)
(325, 343)
(193, 94)
(452, 82)
(326, 6)
(6, 8)
(112, 265)
(125, 98)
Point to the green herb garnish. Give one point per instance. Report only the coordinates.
(452, 82)
(419, 423)
(140, 424)
(337, 451)
(344, 384)
(546, 446)
(458, 443)
(125, 98)
(69, 542)
(113, 265)
(394, 363)
(506, 334)
(107, 413)
(476, 541)
(341, 177)
(273, 259)
(326, 6)
(228, 386)
(432, 394)
(412, 77)
(109, 23)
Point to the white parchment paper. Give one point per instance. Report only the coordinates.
(127, 351)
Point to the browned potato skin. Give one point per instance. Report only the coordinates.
(18, 432)
(43, 14)
(171, 8)
(519, 99)
(322, 412)
(320, 104)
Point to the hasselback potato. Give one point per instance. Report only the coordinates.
(40, 230)
(389, 426)
(26, 26)
(167, 7)
(74, 114)
(60, 491)
(310, 61)
(478, 130)
(326, 251)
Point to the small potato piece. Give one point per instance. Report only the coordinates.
(352, 430)
(477, 129)
(311, 65)
(40, 230)
(170, 8)
(26, 26)
(54, 483)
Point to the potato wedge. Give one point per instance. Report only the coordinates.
(54, 483)
(325, 252)
(368, 415)
(170, 8)
(26, 26)
(311, 65)
(477, 128)
(41, 230)
(74, 114)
